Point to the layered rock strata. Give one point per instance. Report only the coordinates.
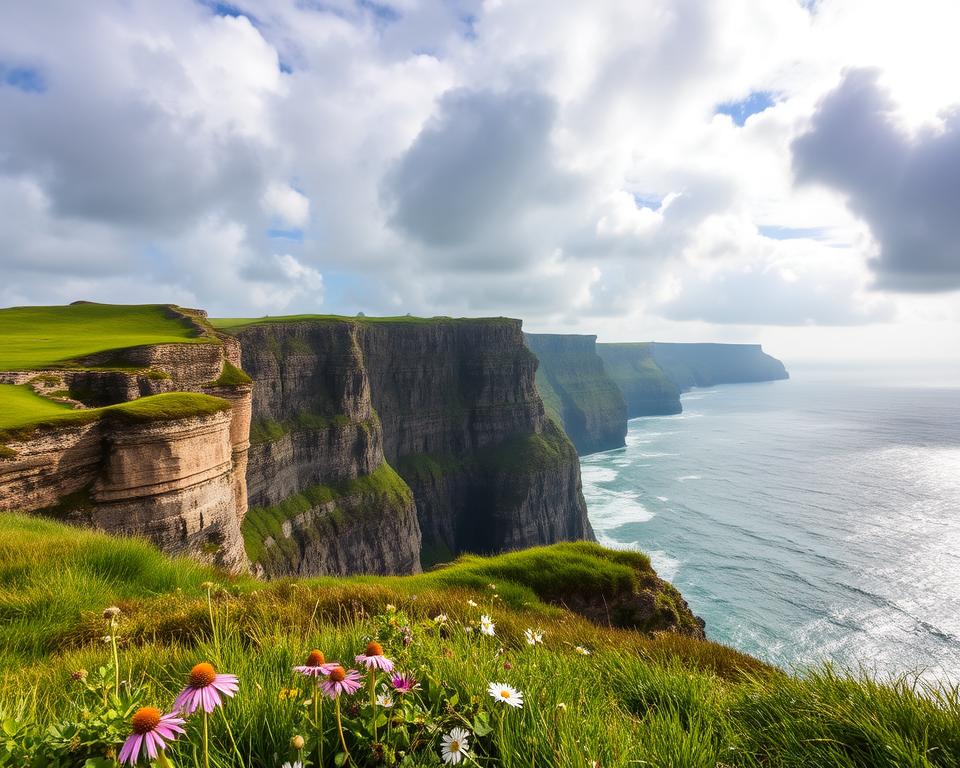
(450, 404)
(646, 389)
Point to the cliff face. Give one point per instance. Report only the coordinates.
(340, 401)
(646, 388)
(322, 498)
(704, 365)
(577, 392)
(170, 467)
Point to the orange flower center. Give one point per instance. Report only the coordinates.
(338, 674)
(315, 659)
(374, 649)
(202, 675)
(505, 694)
(145, 720)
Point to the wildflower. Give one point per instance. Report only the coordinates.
(340, 680)
(471, 603)
(206, 585)
(288, 693)
(455, 745)
(315, 665)
(294, 764)
(152, 730)
(561, 707)
(111, 613)
(107, 638)
(507, 666)
(440, 618)
(493, 587)
(373, 658)
(468, 630)
(391, 608)
(297, 743)
(80, 675)
(506, 694)
(204, 689)
(404, 683)
(533, 636)
(384, 700)
(487, 626)
(582, 651)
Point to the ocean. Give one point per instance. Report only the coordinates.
(809, 520)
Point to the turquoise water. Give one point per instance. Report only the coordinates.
(805, 520)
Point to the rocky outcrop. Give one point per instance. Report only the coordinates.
(156, 445)
(450, 404)
(646, 389)
(577, 392)
(706, 365)
(323, 500)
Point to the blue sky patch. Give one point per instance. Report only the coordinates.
(295, 235)
(24, 79)
(755, 103)
(382, 11)
(653, 202)
(792, 233)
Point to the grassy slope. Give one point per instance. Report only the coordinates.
(236, 323)
(17, 424)
(43, 337)
(637, 700)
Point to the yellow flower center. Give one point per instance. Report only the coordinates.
(505, 694)
(202, 675)
(315, 659)
(338, 674)
(145, 720)
(454, 746)
(374, 649)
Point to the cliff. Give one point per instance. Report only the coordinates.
(705, 365)
(148, 440)
(451, 405)
(646, 388)
(577, 392)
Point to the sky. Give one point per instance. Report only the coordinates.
(777, 171)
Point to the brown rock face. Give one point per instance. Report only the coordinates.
(178, 481)
(443, 402)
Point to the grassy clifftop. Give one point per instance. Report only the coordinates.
(32, 338)
(230, 324)
(592, 695)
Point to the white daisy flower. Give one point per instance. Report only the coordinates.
(296, 764)
(455, 745)
(384, 700)
(471, 603)
(582, 651)
(487, 626)
(440, 618)
(533, 636)
(506, 694)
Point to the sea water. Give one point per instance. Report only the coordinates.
(805, 520)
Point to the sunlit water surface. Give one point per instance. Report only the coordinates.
(806, 520)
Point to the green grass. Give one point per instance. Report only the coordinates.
(231, 376)
(665, 701)
(237, 323)
(44, 337)
(22, 412)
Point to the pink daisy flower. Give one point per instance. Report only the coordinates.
(340, 680)
(404, 683)
(152, 730)
(373, 658)
(316, 665)
(204, 689)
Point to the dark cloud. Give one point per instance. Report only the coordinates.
(905, 187)
(482, 161)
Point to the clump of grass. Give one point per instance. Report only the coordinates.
(590, 693)
(231, 376)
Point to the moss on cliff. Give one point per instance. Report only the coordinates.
(270, 430)
(524, 455)
(263, 523)
(231, 376)
(231, 324)
(647, 390)
(428, 467)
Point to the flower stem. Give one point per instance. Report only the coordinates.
(343, 740)
(317, 722)
(116, 658)
(233, 741)
(373, 702)
(206, 739)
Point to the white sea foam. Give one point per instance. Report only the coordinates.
(662, 498)
(665, 566)
(685, 478)
(593, 474)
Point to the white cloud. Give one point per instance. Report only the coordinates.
(558, 161)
